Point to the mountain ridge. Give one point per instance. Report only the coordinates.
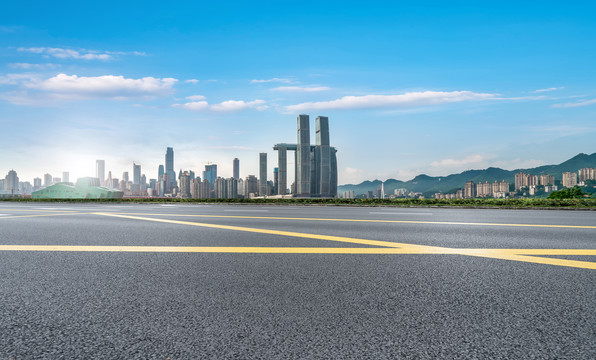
(430, 184)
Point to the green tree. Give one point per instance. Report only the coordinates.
(571, 193)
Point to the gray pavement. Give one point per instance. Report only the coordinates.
(65, 305)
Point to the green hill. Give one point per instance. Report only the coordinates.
(429, 184)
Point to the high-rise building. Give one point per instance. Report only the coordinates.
(170, 166)
(546, 180)
(521, 180)
(250, 185)
(184, 185)
(322, 186)
(125, 176)
(65, 176)
(263, 174)
(160, 172)
(275, 181)
(210, 174)
(109, 181)
(569, 179)
(586, 174)
(47, 180)
(236, 167)
(303, 157)
(469, 190)
(136, 174)
(100, 170)
(316, 165)
(11, 183)
(36, 183)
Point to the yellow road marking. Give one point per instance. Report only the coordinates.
(210, 249)
(369, 220)
(490, 253)
(522, 255)
(267, 231)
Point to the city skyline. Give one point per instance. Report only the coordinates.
(402, 83)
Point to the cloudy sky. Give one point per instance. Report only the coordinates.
(408, 89)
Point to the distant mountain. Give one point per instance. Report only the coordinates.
(430, 185)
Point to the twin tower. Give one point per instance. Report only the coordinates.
(316, 165)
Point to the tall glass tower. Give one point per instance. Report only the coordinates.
(170, 166)
(303, 157)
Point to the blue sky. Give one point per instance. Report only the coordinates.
(436, 88)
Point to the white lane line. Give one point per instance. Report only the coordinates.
(168, 205)
(246, 210)
(398, 213)
(5, 214)
(53, 208)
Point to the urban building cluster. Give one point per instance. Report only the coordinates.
(315, 175)
(525, 185)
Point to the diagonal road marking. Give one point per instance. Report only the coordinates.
(271, 232)
(369, 220)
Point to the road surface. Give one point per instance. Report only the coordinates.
(234, 281)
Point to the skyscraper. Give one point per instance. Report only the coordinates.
(210, 174)
(263, 174)
(236, 166)
(160, 172)
(322, 158)
(136, 175)
(170, 166)
(303, 157)
(47, 180)
(66, 176)
(11, 183)
(100, 171)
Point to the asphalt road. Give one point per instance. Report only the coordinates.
(216, 281)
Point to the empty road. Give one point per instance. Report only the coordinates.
(177, 281)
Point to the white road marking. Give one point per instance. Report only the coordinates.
(398, 213)
(246, 210)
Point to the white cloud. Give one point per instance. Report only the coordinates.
(471, 159)
(191, 81)
(28, 66)
(225, 106)
(35, 91)
(237, 105)
(194, 105)
(16, 79)
(549, 89)
(411, 99)
(281, 80)
(576, 104)
(195, 97)
(301, 88)
(61, 53)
